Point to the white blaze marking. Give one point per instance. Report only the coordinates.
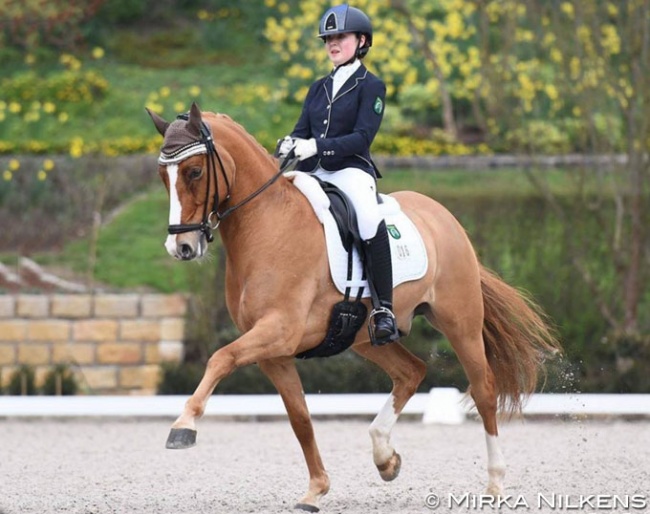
(174, 207)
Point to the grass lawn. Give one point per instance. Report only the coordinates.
(491, 183)
(245, 92)
(129, 249)
(132, 87)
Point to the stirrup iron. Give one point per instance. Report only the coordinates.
(371, 327)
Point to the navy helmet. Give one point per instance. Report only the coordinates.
(343, 19)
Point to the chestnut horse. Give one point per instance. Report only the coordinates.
(280, 294)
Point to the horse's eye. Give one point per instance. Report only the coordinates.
(194, 173)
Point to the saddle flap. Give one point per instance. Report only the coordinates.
(408, 253)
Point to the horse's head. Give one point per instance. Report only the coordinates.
(195, 182)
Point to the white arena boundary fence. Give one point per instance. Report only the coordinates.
(440, 405)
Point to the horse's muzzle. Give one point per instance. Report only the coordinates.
(186, 252)
(187, 247)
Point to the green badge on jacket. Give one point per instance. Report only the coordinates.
(379, 105)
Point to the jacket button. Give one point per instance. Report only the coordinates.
(322, 136)
(324, 122)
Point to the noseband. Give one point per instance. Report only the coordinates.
(206, 145)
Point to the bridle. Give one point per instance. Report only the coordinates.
(212, 217)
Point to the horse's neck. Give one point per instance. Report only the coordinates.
(263, 223)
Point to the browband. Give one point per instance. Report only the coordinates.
(183, 153)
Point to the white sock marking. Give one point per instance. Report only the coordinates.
(496, 465)
(380, 430)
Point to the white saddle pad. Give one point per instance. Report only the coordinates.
(408, 254)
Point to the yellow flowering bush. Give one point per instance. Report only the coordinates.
(497, 69)
(539, 136)
(80, 87)
(485, 65)
(437, 144)
(77, 147)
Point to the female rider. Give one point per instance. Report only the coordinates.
(340, 118)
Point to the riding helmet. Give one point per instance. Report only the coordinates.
(343, 19)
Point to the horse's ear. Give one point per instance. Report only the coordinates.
(161, 125)
(194, 121)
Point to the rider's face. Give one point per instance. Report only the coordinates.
(341, 47)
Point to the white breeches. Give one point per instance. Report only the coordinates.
(361, 188)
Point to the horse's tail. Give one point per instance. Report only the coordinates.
(517, 337)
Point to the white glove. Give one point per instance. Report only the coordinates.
(305, 148)
(285, 147)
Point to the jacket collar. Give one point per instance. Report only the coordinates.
(352, 82)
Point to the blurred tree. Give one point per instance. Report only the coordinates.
(599, 53)
(551, 70)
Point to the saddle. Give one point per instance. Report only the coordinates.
(344, 214)
(347, 316)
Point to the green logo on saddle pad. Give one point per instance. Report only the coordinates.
(379, 105)
(394, 233)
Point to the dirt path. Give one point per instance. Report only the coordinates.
(95, 466)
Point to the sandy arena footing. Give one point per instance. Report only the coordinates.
(121, 466)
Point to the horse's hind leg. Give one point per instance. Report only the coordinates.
(407, 372)
(285, 378)
(465, 335)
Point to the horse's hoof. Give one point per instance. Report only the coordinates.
(307, 507)
(390, 469)
(181, 439)
(496, 491)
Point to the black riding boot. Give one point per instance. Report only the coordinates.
(382, 325)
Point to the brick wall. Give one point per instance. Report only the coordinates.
(114, 342)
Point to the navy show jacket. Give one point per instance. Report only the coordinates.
(344, 126)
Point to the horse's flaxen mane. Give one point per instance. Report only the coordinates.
(182, 133)
(238, 128)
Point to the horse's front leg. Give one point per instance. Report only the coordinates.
(407, 372)
(269, 338)
(285, 378)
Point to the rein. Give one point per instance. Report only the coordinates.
(206, 226)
